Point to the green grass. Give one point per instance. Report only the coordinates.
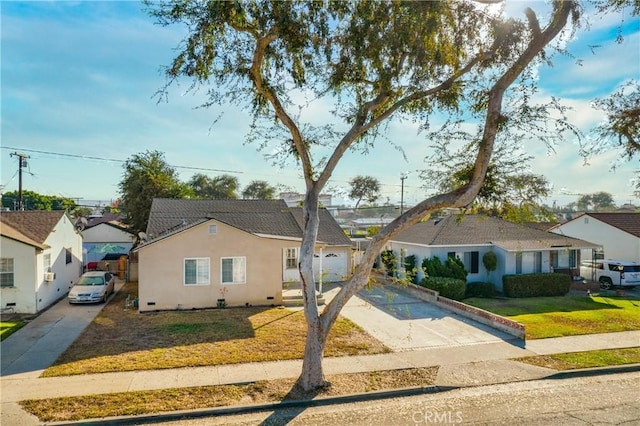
(566, 316)
(7, 328)
(586, 359)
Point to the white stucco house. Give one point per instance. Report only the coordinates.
(40, 259)
(105, 235)
(519, 249)
(617, 233)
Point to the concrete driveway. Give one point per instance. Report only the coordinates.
(403, 322)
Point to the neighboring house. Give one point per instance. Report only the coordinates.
(520, 249)
(243, 251)
(40, 258)
(617, 233)
(105, 236)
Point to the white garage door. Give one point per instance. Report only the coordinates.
(334, 265)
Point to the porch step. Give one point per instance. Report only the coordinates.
(297, 300)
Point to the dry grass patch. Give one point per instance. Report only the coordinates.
(586, 359)
(149, 402)
(119, 340)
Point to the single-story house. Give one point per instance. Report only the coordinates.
(104, 239)
(242, 251)
(617, 233)
(40, 259)
(519, 249)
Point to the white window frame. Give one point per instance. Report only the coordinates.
(213, 229)
(7, 267)
(290, 258)
(239, 276)
(203, 266)
(46, 262)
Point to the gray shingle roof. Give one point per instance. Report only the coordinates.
(36, 225)
(457, 230)
(271, 217)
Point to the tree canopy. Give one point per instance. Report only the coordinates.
(223, 187)
(147, 176)
(371, 60)
(34, 201)
(364, 188)
(259, 190)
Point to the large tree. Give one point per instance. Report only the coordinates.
(364, 188)
(597, 201)
(223, 187)
(374, 60)
(259, 190)
(147, 176)
(32, 200)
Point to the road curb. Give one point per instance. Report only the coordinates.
(344, 399)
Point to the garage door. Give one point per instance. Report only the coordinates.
(334, 265)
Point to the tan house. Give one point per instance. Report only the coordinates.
(199, 253)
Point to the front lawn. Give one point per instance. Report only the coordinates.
(567, 315)
(585, 359)
(125, 340)
(7, 328)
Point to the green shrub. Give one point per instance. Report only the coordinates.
(389, 261)
(452, 268)
(480, 289)
(450, 288)
(490, 261)
(536, 285)
(410, 269)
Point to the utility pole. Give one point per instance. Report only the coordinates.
(22, 162)
(402, 178)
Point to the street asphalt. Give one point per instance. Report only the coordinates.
(30, 350)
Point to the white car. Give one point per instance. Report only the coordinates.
(611, 273)
(94, 286)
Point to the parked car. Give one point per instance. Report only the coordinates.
(610, 273)
(94, 286)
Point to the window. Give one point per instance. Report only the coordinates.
(6, 273)
(472, 261)
(233, 270)
(451, 254)
(292, 258)
(46, 262)
(213, 229)
(196, 271)
(518, 263)
(565, 259)
(67, 256)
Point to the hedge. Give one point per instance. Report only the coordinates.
(450, 288)
(536, 285)
(480, 289)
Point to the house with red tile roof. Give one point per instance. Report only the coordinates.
(40, 259)
(520, 249)
(242, 251)
(617, 233)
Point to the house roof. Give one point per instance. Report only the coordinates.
(455, 230)
(30, 227)
(266, 217)
(627, 222)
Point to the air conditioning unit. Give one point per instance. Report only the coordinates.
(49, 276)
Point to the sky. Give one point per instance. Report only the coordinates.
(78, 81)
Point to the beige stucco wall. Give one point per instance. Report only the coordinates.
(161, 263)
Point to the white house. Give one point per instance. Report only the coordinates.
(617, 233)
(519, 249)
(105, 235)
(40, 259)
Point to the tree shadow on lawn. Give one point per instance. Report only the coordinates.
(182, 338)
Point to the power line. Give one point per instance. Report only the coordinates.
(114, 160)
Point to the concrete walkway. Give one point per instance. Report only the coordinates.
(29, 351)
